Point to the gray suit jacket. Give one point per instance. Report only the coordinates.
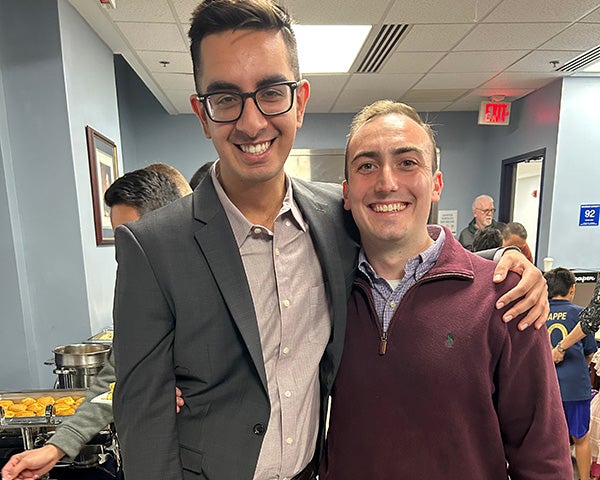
(184, 316)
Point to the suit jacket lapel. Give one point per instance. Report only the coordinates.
(323, 233)
(216, 240)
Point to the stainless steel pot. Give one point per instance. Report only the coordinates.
(77, 364)
(81, 355)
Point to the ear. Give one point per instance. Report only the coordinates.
(199, 111)
(302, 96)
(345, 193)
(438, 185)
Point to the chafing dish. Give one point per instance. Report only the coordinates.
(36, 430)
(78, 364)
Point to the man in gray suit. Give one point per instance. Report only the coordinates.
(237, 293)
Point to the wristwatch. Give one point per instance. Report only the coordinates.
(560, 348)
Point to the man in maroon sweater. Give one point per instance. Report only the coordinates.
(432, 384)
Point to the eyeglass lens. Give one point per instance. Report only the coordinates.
(271, 100)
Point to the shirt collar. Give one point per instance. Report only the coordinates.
(240, 225)
(416, 266)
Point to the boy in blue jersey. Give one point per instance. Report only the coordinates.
(573, 372)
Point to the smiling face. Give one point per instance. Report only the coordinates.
(253, 149)
(390, 183)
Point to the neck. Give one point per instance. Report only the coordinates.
(259, 202)
(389, 260)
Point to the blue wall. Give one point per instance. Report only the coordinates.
(57, 285)
(577, 175)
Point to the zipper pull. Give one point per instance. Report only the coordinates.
(383, 344)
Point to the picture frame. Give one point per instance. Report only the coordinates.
(104, 170)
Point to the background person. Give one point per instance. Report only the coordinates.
(200, 174)
(438, 386)
(129, 197)
(483, 217)
(589, 322)
(486, 238)
(573, 373)
(514, 233)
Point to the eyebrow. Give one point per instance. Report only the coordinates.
(397, 151)
(218, 85)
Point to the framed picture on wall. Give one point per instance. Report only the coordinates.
(104, 170)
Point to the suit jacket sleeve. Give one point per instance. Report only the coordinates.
(144, 401)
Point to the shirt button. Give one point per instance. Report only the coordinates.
(258, 429)
(277, 252)
(392, 304)
(287, 223)
(286, 350)
(257, 230)
(288, 394)
(289, 440)
(286, 303)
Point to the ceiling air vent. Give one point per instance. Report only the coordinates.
(383, 46)
(581, 61)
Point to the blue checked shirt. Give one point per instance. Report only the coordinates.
(388, 298)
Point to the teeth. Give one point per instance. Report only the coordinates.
(255, 149)
(395, 207)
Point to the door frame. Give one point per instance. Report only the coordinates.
(507, 187)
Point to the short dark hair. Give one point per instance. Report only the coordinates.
(216, 16)
(172, 174)
(199, 174)
(514, 228)
(486, 238)
(559, 280)
(142, 189)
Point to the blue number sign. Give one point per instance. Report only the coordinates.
(589, 215)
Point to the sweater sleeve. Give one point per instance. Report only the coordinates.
(89, 418)
(529, 408)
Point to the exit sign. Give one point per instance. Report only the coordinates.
(494, 113)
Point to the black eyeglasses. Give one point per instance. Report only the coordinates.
(224, 107)
(487, 211)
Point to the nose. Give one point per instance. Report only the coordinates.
(252, 121)
(386, 180)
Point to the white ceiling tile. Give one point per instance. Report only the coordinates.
(364, 89)
(520, 80)
(162, 37)
(419, 96)
(539, 60)
(478, 61)
(432, 38)
(511, 94)
(179, 62)
(439, 11)
(180, 100)
(464, 105)
(412, 62)
(341, 12)
(582, 36)
(176, 81)
(184, 9)
(505, 36)
(452, 80)
(518, 11)
(152, 11)
(429, 107)
(324, 89)
(594, 16)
